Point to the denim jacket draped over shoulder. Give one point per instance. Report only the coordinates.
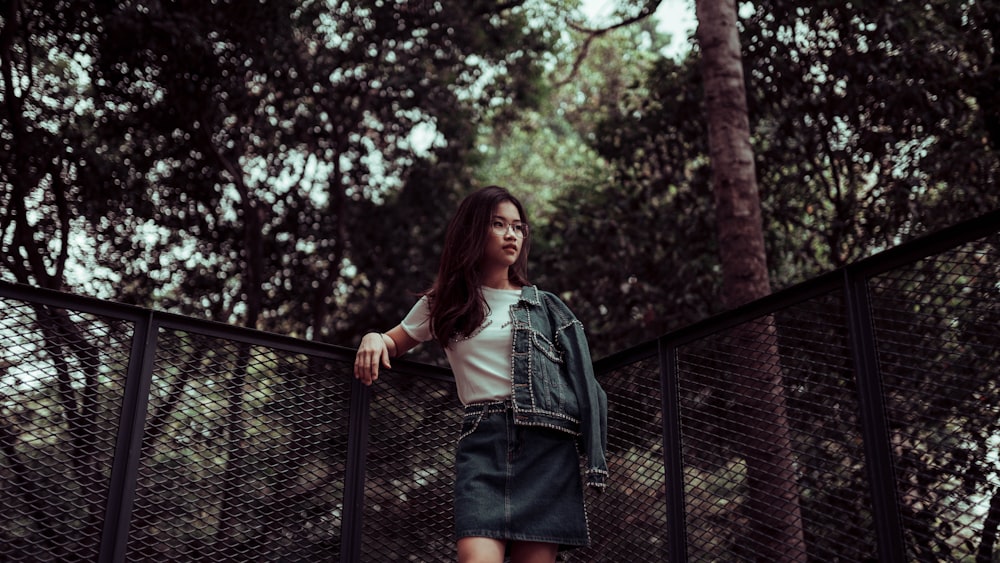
(553, 377)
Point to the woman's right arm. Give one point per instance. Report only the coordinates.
(377, 348)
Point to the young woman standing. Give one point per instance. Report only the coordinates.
(523, 371)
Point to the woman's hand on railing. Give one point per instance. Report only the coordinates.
(372, 353)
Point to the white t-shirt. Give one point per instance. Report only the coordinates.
(481, 363)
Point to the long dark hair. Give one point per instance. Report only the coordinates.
(457, 307)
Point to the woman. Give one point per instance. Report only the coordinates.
(523, 371)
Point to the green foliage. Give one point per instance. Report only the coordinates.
(621, 265)
(610, 246)
(870, 126)
(635, 254)
(220, 157)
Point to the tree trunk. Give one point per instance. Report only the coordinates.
(776, 533)
(254, 214)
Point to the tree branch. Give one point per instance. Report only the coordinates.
(648, 9)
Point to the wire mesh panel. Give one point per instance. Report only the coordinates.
(823, 416)
(245, 446)
(628, 520)
(937, 325)
(409, 476)
(62, 375)
(771, 444)
(243, 455)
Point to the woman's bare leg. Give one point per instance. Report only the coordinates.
(533, 552)
(480, 550)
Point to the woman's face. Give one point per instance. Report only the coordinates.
(505, 237)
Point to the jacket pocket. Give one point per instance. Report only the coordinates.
(546, 348)
(550, 387)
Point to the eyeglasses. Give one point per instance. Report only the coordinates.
(500, 229)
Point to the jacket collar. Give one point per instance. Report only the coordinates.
(530, 295)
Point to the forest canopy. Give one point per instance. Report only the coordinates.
(289, 165)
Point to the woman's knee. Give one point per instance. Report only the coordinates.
(480, 550)
(533, 552)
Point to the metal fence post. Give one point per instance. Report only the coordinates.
(128, 446)
(354, 478)
(874, 425)
(672, 456)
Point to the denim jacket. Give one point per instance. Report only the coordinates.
(554, 384)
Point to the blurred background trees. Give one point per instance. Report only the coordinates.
(289, 164)
(250, 164)
(856, 150)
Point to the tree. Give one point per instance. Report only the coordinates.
(219, 159)
(872, 124)
(633, 258)
(43, 169)
(773, 506)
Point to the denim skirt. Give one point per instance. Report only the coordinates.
(517, 482)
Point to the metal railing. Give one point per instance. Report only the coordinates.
(852, 417)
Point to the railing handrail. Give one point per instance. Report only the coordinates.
(176, 321)
(881, 262)
(921, 247)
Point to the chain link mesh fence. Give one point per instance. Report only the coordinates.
(255, 448)
(628, 520)
(244, 454)
(773, 450)
(62, 376)
(409, 477)
(773, 463)
(937, 324)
